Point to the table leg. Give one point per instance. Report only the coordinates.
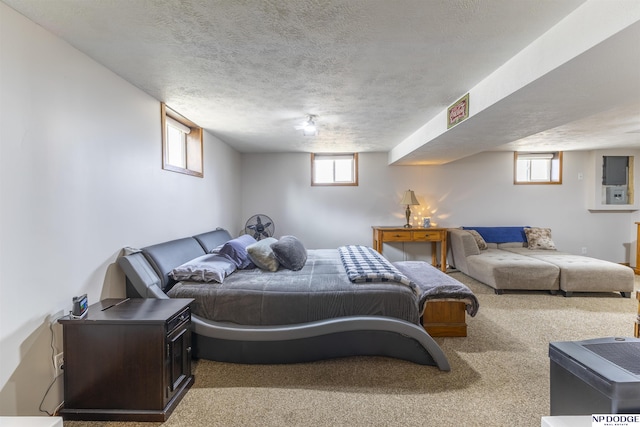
(443, 255)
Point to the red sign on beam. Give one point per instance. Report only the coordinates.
(458, 112)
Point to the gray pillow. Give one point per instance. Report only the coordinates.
(205, 268)
(290, 252)
(262, 255)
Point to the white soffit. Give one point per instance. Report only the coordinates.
(556, 80)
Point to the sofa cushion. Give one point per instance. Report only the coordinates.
(508, 245)
(502, 269)
(539, 238)
(579, 273)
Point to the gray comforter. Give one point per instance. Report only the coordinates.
(321, 290)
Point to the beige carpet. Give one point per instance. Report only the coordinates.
(499, 373)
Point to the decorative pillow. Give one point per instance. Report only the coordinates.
(290, 252)
(539, 238)
(236, 251)
(205, 268)
(262, 255)
(482, 245)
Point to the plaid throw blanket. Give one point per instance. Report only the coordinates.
(364, 264)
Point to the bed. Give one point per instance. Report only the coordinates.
(289, 316)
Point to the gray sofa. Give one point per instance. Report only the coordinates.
(507, 263)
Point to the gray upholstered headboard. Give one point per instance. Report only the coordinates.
(148, 271)
(166, 256)
(212, 239)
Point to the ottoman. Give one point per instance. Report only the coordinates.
(584, 274)
(597, 376)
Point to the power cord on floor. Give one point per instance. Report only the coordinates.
(53, 363)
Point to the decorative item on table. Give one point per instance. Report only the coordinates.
(409, 199)
(426, 222)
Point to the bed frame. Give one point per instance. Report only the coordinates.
(324, 339)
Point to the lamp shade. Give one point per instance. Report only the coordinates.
(409, 198)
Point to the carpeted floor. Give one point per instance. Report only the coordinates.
(499, 373)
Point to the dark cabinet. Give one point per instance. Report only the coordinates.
(127, 360)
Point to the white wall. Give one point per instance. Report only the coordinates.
(80, 177)
(477, 190)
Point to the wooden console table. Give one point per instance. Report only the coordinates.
(417, 234)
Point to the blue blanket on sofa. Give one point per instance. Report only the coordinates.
(500, 234)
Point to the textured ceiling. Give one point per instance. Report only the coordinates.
(373, 71)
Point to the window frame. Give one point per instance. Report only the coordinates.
(335, 156)
(555, 169)
(194, 147)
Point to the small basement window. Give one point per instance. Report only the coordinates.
(538, 168)
(334, 169)
(182, 148)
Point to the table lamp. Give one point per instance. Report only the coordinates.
(409, 199)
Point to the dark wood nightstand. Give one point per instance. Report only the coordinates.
(127, 360)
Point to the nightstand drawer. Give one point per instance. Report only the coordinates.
(428, 235)
(177, 320)
(396, 236)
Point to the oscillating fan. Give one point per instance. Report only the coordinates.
(259, 226)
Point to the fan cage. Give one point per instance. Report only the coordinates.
(259, 226)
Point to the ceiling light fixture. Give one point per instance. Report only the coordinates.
(309, 127)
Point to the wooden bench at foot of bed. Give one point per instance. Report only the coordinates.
(445, 319)
(445, 310)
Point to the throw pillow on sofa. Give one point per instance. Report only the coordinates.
(482, 245)
(539, 238)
